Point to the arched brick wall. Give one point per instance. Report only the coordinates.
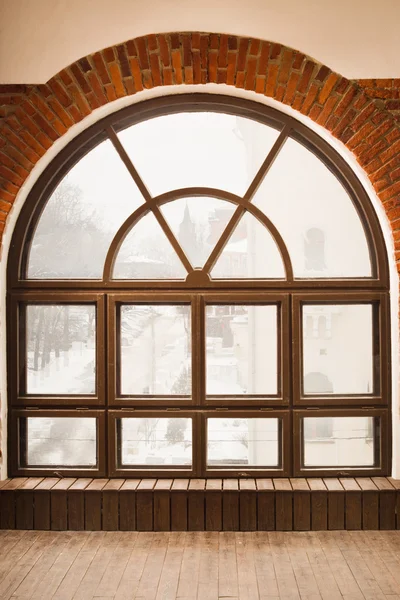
(34, 117)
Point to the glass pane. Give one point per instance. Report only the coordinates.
(242, 349)
(146, 253)
(61, 442)
(156, 349)
(338, 441)
(250, 253)
(338, 349)
(315, 216)
(61, 349)
(156, 441)
(198, 224)
(198, 149)
(242, 442)
(82, 216)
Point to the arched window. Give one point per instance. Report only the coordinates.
(165, 317)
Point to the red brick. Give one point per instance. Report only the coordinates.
(212, 67)
(309, 99)
(155, 69)
(117, 80)
(271, 80)
(177, 66)
(142, 53)
(101, 68)
(306, 77)
(243, 46)
(223, 52)
(136, 73)
(264, 58)
(164, 51)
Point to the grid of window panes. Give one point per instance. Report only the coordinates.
(197, 322)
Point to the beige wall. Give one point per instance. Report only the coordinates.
(359, 39)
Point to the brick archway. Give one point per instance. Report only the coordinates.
(33, 117)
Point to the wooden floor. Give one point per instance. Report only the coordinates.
(353, 565)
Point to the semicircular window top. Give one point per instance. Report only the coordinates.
(186, 286)
(245, 163)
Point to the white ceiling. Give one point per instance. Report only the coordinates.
(357, 38)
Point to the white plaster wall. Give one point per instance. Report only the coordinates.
(38, 38)
(212, 89)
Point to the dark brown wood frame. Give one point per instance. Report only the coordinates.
(198, 289)
(381, 449)
(14, 443)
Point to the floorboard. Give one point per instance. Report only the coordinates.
(192, 565)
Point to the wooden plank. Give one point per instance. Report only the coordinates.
(24, 509)
(370, 510)
(129, 485)
(387, 509)
(196, 509)
(248, 511)
(336, 512)
(31, 483)
(301, 511)
(283, 485)
(76, 509)
(266, 510)
(230, 510)
(214, 484)
(163, 485)
(145, 485)
(127, 510)
(230, 484)
(58, 510)
(110, 507)
(80, 484)
(353, 510)
(47, 483)
(41, 510)
(162, 509)
(113, 485)
(179, 505)
(180, 484)
(370, 503)
(319, 510)
(264, 484)
(92, 509)
(179, 509)
(333, 484)
(7, 509)
(96, 485)
(64, 484)
(144, 508)
(14, 484)
(213, 501)
(353, 503)
(316, 484)
(283, 508)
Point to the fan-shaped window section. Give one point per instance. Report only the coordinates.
(300, 193)
(198, 224)
(250, 253)
(82, 216)
(198, 149)
(147, 254)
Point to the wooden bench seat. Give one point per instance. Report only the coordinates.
(200, 504)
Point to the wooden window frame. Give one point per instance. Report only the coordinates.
(198, 289)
